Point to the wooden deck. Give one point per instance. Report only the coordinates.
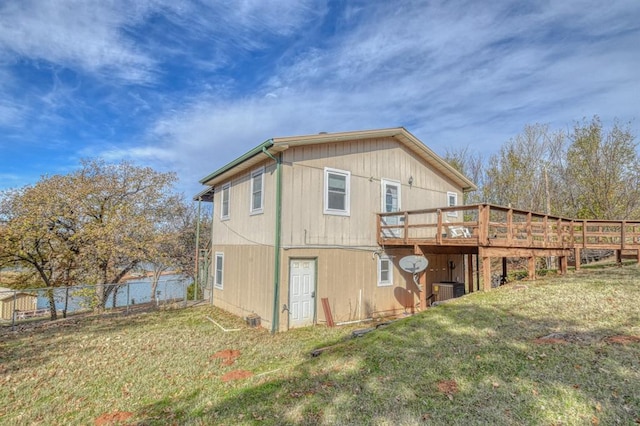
(495, 231)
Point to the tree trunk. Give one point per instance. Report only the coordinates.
(154, 284)
(114, 295)
(52, 304)
(66, 302)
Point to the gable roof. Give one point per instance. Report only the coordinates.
(276, 145)
(7, 293)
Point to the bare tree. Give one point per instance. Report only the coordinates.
(602, 172)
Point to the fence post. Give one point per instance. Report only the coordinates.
(166, 297)
(184, 283)
(13, 317)
(66, 301)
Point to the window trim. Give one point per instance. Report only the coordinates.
(383, 183)
(252, 208)
(216, 284)
(389, 282)
(455, 196)
(347, 201)
(225, 187)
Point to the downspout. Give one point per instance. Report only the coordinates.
(197, 271)
(276, 267)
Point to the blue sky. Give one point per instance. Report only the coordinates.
(187, 86)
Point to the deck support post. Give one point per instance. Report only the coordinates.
(578, 257)
(532, 268)
(470, 285)
(637, 256)
(486, 272)
(504, 268)
(422, 280)
(563, 265)
(619, 257)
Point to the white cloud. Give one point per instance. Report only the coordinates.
(83, 35)
(95, 36)
(455, 75)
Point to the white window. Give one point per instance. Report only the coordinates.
(218, 281)
(336, 192)
(452, 201)
(385, 271)
(257, 186)
(224, 203)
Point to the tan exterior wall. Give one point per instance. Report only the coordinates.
(242, 227)
(349, 279)
(247, 280)
(344, 247)
(24, 302)
(368, 161)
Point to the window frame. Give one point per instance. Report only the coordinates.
(225, 188)
(253, 209)
(389, 182)
(216, 284)
(455, 203)
(389, 281)
(347, 195)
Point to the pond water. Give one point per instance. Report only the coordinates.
(170, 287)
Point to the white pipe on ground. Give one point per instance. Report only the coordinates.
(354, 322)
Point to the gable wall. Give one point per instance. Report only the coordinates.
(369, 161)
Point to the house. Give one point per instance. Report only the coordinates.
(294, 222)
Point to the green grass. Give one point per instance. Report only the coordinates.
(475, 360)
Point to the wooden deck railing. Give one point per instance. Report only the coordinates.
(486, 225)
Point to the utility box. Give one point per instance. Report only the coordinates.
(447, 290)
(253, 320)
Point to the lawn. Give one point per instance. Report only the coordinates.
(558, 351)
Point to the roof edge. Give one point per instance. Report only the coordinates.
(470, 185)
(252, 153)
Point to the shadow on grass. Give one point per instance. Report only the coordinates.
(463, 363)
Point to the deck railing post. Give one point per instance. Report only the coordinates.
(509, 227)
(439, 227)
(379, 229)
(584, 234)
(571, 236)
(406, 227)
(559, 232)
(623, 235)
(483, 224)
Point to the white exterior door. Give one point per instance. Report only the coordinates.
(391, 203)
(302, 289)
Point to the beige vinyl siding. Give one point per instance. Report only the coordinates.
(348, 278)
(368, 161)
(248, 281)
(244, 226)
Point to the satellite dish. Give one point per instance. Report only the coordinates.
(413, 263)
